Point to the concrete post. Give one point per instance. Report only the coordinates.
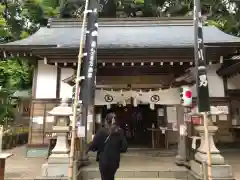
(181, 156)
(89, 132)
(220, 170)
(58, 161)
(90, 120)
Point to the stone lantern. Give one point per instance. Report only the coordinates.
(58, 161)
(220, 170)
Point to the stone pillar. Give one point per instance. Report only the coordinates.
(83, 157)
(58, 161)
(181, 154)
(220, 170)
(88, 134)
(90, 120)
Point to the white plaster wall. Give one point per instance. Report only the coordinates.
(216, 87)
(46, 81)
(233, 82)
(65, 89)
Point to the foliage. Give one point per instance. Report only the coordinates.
(6, 108)
(221, 13)
(40, 10)
(13, 74)
(4, 33)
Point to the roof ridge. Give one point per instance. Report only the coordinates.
(53, 23)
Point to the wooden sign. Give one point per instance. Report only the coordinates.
(223, 109)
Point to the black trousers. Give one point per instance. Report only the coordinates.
(107, 173)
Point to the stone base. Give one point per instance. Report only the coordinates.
(216, 158)
(180, 161)
(219, 172)
(58, 159)
(85, 160)
(57, 169)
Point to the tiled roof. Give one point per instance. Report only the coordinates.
(127, 36)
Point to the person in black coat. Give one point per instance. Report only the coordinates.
(109, 142)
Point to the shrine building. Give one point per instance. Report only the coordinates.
(141, 65)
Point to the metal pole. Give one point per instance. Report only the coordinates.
(203, 101)
(78, 79)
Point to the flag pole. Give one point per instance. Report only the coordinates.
(203, 101)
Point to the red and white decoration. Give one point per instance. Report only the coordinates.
(186, 96)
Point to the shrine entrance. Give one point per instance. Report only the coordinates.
(136, 123)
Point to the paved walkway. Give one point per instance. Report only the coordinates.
(19, 167)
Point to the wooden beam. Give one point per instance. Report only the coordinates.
(123, 51)
(233, 92)
(121, 60)
(34, 81)
(58, 85)
(142, 70)
(215, 101)
(147, 79)
(127, 57)
(229, 70)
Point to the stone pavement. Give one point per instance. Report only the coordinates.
(140, 179)
(20, 167)
(234, 160)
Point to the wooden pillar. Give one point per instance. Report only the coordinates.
(3, 157)
(2, 169)
(90, 122)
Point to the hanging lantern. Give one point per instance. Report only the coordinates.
(135, 104)
(124, 103)
(186, 96)
(152, 106)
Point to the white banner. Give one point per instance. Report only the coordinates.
(103, 97)
(166, 97)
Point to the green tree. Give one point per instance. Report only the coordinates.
(15, 73)
(4, 32)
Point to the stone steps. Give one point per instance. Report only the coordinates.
(137, 175)
(141, 179)
(139, 166)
